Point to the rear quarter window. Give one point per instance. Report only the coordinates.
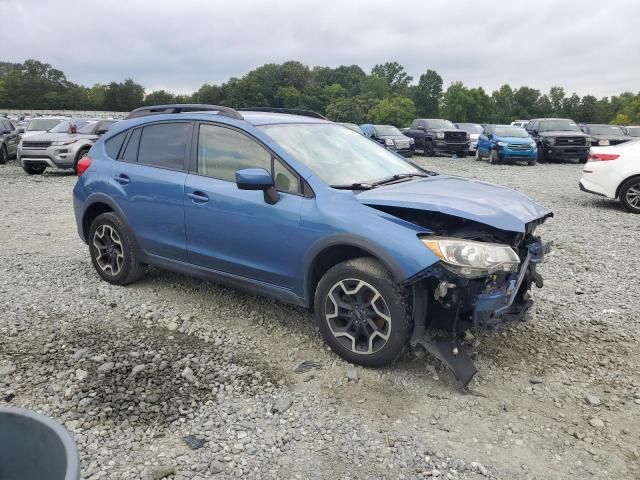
(114, 144)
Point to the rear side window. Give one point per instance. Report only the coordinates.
(223, 151)
(114, 144)
(164, 145)
(131, 151)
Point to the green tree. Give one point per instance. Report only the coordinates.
(525, 102)
(457, 103)
(394, 74)
(159, 97)
(504, 105)
(556, 97)
(211, 94)
(395, 110)
(428, 94)
(374, 87)
(122, 97)
(351, 109)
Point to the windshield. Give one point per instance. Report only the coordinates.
(558, 126)
(605, 130)
(470, 127)
(352, 126)
(338, 155)
(387, 131)
(88, 127)
(511, 132)
(633, 131)
(43, 124)
(63, 127)
(441, 124)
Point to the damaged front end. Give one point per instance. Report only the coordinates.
(449, 299)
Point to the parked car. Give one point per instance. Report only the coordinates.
(474, 130)
(8, 140)
(352, 126)
(390, 137)
(313, 215)
(505, 142)
(614, 172)
(603, 135)
(62, 146)
(435, 135)
(559, 139)
(40, 125)
(632, 130)
(519, 123)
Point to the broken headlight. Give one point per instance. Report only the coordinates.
(473, 259)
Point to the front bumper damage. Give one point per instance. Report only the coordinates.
(449, 304)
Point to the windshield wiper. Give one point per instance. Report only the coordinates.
(399, 176)
(354, 186)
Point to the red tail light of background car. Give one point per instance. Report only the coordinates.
(83, 164)
(602, 157)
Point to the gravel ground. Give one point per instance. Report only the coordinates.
(177, 378)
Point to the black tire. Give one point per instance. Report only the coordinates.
(629, 195)
(4, 155)
(478, 155)
(129, 269)
(584, 159)
(531, 163)
(541, 155)
(493, 156)
(393, 300)
(431, 152)
(82, 153)
(34, 168)
(461, 154)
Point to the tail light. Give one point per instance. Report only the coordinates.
(83, 164)
(602, 157)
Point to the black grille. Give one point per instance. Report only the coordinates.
(571, 141)
(35, 144)
(458, 137)
(519, 147)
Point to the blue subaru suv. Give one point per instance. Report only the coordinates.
(506, 142)
(296, 207)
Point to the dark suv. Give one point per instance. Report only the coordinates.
(390, 137)
(309, 212)
(8, 140)
(435, 135)
(603, 135)
(559, 139)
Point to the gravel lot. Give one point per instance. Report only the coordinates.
(177, 378)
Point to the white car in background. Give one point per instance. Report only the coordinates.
(41, 125)
(519, 123)
(614, 172)
(474, 130)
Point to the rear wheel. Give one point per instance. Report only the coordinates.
(4, 155)
(630, 195)
(34, 168)
(362, 313)
(113, 250)
(478, 155)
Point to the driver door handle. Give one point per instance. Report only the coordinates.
(198, 196)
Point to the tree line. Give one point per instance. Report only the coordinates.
(346, 94)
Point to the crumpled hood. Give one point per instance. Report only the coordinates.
(493, 205)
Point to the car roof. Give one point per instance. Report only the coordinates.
(273, 118)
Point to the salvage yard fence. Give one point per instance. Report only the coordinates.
(67, 113)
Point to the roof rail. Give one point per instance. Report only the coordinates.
(290, 111)
(183, 107)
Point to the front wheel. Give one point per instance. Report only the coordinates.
(493, 157)
(4, 155)
(462, 154)
(34, 169)
(478, 156)
(541, 157)
(630, 195)
(113, 250)
(362, 314)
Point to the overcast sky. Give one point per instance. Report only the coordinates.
(586, 46)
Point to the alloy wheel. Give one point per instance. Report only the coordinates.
(633, 195)
(358, 316)
(109, 250)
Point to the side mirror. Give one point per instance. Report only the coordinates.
(257, 179)
(535, 132)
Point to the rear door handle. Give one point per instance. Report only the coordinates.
(122, 179)
(198, 197)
